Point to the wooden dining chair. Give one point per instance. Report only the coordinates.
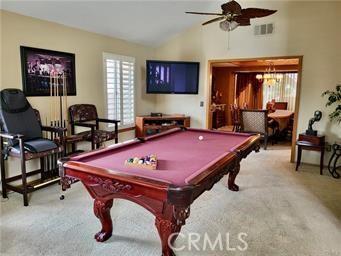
(281, 105)
(85, 115)
(255, 121)
(234, 110)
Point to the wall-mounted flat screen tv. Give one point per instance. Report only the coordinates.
(172, 77)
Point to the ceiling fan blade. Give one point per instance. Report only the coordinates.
(205, 13)
(242, 21)
(213, 20)
(256, 13)
(231, 7)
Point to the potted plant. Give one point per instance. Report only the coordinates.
(334, 98)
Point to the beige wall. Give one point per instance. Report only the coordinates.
(17, 30)
(298, 31)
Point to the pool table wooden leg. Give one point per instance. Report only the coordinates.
(168, 224)
(168, 231)
(102, 211)
(232, 177)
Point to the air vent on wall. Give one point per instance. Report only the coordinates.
(264, 29)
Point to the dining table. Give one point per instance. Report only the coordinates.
(282, 117)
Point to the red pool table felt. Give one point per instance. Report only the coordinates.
(181, 155)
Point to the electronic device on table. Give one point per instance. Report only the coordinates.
(155, 114)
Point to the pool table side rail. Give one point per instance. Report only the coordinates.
(206, 180)
(218, 132)
(92, 176)
(106, 173)
(115, 147)
(108, 149)
(162, 134)
(245, 148)
(104, 150)
(185, 195)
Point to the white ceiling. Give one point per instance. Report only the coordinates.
(145, 22)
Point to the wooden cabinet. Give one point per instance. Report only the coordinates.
(218, 119)
(148, 125)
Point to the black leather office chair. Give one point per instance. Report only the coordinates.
(21, 136)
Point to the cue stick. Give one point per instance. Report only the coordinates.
(60, 108)
(57, 99)
(63, 97)
(65, 100)
(51, 98)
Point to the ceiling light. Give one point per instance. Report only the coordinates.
(228, 26)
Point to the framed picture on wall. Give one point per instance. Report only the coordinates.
(38, 65)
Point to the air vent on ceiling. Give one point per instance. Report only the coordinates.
(264, 29)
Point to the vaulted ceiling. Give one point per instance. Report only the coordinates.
(145, 22)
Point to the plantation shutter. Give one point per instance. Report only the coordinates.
(120, 87)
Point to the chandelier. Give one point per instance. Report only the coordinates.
(270, 76)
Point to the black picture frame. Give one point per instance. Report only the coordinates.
(36, 65)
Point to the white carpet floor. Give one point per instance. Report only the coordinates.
(283, 212)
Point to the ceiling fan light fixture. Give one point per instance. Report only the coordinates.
(228, 25)
(224, 25)
(233, 25)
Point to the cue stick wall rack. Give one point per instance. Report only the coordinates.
(58, 102)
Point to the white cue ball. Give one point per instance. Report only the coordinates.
(201, 137)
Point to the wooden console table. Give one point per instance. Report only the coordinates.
(313, 143)
(155, 124)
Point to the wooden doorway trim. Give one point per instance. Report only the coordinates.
(298, 92)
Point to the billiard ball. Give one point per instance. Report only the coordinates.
(201, 137)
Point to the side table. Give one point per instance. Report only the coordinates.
(313, 143)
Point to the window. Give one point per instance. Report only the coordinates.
(284, 90)
(119, 79)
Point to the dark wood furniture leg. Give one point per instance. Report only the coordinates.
(232, 177)
(102, 211)
(265, 141)
(42, 168)
(321, 162)
(73, 147)
(166, 228)
(116, 133)
(332, 165)
(92, 140)
(169, 227)
(299, 155)
(3, 171)
(23, 172)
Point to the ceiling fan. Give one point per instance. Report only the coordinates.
(233, 15)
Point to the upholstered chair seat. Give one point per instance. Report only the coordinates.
(100, 136)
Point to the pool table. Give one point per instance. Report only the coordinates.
(187, 166)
